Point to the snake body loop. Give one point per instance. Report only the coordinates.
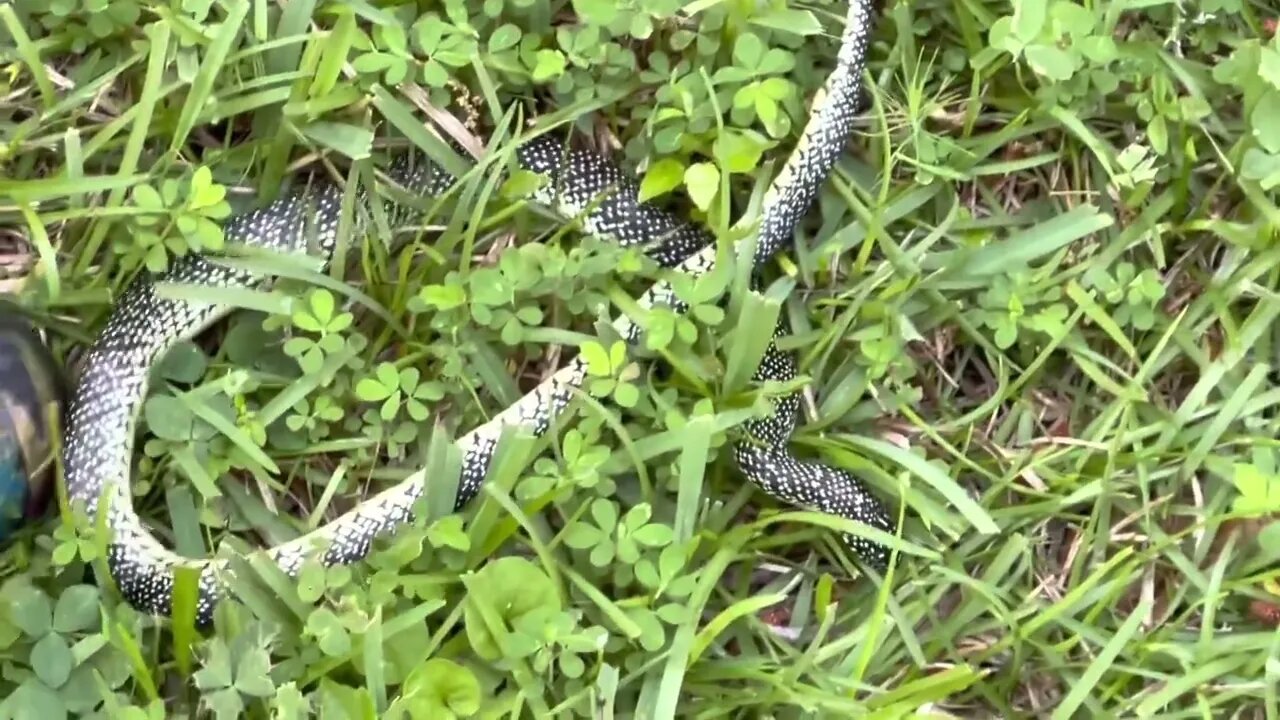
(99, 442)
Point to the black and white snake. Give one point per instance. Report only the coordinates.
(99, 441)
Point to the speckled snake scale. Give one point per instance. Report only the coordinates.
(99, 441)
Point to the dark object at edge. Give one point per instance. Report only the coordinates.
(30, 381)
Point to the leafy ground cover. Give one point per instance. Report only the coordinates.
(1034, 308)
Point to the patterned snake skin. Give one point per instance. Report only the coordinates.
(99, 443)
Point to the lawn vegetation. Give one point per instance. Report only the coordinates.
(1034, 308)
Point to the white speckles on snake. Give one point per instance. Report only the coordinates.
(99, 442)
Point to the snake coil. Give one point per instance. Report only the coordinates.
(99, 442)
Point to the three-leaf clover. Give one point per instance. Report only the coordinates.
(1135, 295)
(393, 387)
(493, 297)
(613, 537)
(227, 678)
(314, 417)
(1258, 483)
(1003, 311)
(191, 210)
(582, 463)
(664, 577)
(610, 374)
(765, 89)
(554, 635)
(385, 54)
(318, 315)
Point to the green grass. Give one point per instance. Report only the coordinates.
(1034, 310)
